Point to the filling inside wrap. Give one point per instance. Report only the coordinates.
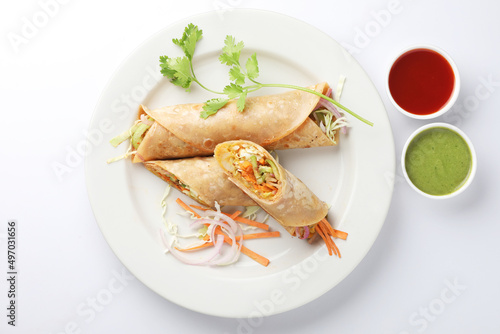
(261, 176)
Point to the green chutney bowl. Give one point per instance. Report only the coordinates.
(439, 161)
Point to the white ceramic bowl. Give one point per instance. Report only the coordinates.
(473, 158)
(454, 94)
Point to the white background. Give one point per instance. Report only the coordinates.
(50, 84)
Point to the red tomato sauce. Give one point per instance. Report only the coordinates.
(421, 81)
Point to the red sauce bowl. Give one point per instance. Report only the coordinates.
(423, 82)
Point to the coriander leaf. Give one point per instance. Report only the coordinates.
(231, 51)
(165, 69)
(236, 75)
(190, 45)
(252, 67)
(178, 70)
(241, 101)
(230, 45)
(232, 90)
(212, 106)
(229, 60)
(188, 40)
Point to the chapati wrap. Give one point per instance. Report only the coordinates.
(218, 179)
(200, 178)
(279, 121)
(286, 198)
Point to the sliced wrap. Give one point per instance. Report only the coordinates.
(278, 121)
(202, 179)
(276, 190)
(283, 196)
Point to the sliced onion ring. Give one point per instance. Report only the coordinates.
(306, 232)
(214, 219)
(209, 258)
(305, 235)
(145, 120)
(330, 107)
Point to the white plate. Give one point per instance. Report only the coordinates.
(356, 177)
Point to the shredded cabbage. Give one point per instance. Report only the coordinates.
(328, 125)
(340, 86)
(251, 212)
(123, 156)
(135, 133)
(173, 229)
(125, 135)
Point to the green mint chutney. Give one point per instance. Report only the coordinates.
(438, 161)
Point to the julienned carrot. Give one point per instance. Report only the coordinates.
(336, 249)
(325, 228)
(199, 207)
(336, 233)
(234, 215)
(205, 245)
(273, 234)
(251, 254)
(262, 235)
(187, 208)
(252, 223)
(238, 219)
(322, 235)
(254, 256)
(340, 234)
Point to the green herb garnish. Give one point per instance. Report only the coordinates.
(181, 73)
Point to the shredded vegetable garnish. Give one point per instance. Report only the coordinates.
(327, 233)
(328, 125)
(215, 221)
(123, 156)
(328, 117)
(146, 120)
(136, 134)
(302, 232)
(121, 138)
(216, 227)
(171, 228)
(324, 230)
(124, 136)
(251, 212)
(163, 202)
(340, 86)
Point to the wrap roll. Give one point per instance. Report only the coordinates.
(200, 178)
(272, 187)
(278, 121)
(283, 196)
(288, 200)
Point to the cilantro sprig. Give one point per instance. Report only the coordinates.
(180, 72)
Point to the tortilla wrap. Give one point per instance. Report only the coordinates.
(204, 177)
(292, 204)
(278, 121)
